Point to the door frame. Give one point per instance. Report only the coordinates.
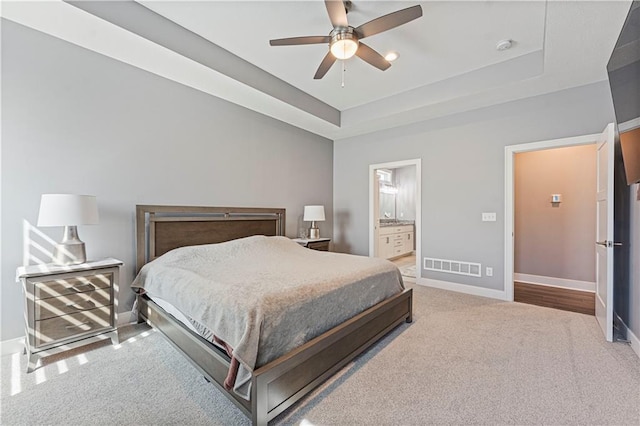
(418, 223)
(509, 199)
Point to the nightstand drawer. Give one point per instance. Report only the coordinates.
(72, 285)
(62, 327)
(72, 303)
(320, 245)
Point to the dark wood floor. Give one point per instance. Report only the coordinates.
(554, 297)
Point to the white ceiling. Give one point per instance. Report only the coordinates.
(448, 59)
(450, 39)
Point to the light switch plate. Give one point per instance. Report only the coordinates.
(488, 217)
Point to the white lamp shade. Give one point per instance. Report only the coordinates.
(313, 213)
(67, 210)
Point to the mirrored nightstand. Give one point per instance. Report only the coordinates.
(321, 244)
(67, 306)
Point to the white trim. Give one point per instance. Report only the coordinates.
(629, 125)
(635, 342)
(632, 338)
(12, 346)
(418, 222)
(587, 286)
(509, 153)
(462, 288)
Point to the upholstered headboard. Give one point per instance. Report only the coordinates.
(160, 229)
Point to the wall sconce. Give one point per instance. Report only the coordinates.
(68, 210)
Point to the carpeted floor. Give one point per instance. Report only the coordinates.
(464, 360)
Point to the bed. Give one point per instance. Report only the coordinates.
(280, 382)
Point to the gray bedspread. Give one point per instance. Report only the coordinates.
(265, 296)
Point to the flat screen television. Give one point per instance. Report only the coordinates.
(624, 79)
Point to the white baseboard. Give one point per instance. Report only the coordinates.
(463, 288)
(555, 282)
(632, 338)
(11, 346)
(635, 342)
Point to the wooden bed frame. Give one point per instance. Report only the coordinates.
(284, 381)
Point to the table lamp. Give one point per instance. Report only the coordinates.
(313, 214)
(68, 210)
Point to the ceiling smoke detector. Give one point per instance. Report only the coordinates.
(504, 45)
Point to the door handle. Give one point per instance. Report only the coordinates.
(607, 243)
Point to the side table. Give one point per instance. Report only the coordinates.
(321, 244)
(68, 306)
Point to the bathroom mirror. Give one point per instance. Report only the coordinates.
(387, 205)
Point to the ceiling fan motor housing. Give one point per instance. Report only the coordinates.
(344, 42)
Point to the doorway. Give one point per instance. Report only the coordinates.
(555, 228)
(396, 188)
(604, 221)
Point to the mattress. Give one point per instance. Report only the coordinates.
(264, 296)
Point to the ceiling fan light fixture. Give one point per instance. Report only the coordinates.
(344, 45)
(344, 40)
(392, 56)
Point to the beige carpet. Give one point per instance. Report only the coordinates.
(464, 360)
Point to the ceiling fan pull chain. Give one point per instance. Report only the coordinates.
(343, 71)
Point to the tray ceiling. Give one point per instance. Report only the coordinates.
(448, 58)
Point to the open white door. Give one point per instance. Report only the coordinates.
(376, 214)
(604, 232)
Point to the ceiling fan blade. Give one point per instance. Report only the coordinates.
(386, 22)
(337, 13)
(325, 65)
(369, 55)
(292, 41)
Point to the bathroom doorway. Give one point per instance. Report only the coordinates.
(395, 214)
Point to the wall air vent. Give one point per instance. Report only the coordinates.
(453, 266)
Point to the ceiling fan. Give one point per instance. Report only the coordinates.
(344, 40)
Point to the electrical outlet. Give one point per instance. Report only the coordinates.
(489, 271)
(488, 217)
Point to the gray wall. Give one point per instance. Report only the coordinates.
(463, 176)
(556, 240)
(75, 121)
(462, 173)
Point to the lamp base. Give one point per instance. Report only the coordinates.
(69, 254)
(71, 250)
(314, 233)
